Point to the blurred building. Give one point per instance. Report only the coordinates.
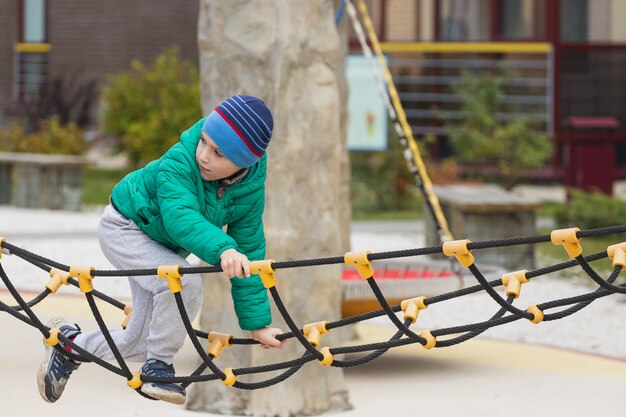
(571, 66)
(81, 42)
(571, 62)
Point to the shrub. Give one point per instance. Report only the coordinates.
(482, 138)
(149, 106)
(52, 137)
(590, 210)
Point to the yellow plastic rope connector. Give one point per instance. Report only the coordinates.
(314, 331)
(218, 342)
(83, 274)
(57, 278)
(514, 281)
(360, 261)
(431, 340)
(458, 249)
(328, 357)
(230, 379)
(618, 254)
(135, 382)
(265, 270)
(569, 240)
(128, 310)
(172, 274)
(538, 314)
(412, 307)
(1, 240)
(53, 339)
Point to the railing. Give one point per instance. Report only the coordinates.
(30, 71)
(426, 74)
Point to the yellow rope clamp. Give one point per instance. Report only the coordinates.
(53, 339)
(128, 310)
(458, 249)
(265, 270)
(135, 382)
(57, 278)
(218, 342)
(1, 240)
(230, 379)
(83, 274)
(569, 240)
(618, 254)
(172, 274)
(328, 357)
(360, 261)
(314, 332)
(412, 307)
(514, 281)
(431, 340)
(535, 312)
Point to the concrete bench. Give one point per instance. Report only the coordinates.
(41, 180)
(486, 212)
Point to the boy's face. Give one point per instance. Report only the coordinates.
(212, 163)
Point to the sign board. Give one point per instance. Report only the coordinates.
(367, 115)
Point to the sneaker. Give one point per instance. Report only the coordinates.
(56, 368)
(166, 391)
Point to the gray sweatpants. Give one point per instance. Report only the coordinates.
(155, 330)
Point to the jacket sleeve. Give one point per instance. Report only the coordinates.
(180, 211)
(249, 295)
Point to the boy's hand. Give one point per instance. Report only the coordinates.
(235, 264)
(267, 337)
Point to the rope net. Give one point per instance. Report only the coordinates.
(309, 335)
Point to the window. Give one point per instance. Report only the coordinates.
(522, 19)
(34, 23)
(464, 20)
(602, 23)
(31, 54)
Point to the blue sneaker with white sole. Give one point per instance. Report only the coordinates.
(166, 391)
(56, 368)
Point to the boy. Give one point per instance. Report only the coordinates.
(159, 214)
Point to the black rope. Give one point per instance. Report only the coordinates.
(465, 332)
(194, 340)
(107, 336)
(292, 326)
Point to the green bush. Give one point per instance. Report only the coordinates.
(382, 184)
(481, 138)
(590, 211)
(52, 137)
(149, 106)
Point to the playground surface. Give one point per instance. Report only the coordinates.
(480, 377)
(515, 375)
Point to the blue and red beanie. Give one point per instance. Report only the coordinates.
(241, 126)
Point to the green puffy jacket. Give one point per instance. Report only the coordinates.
(170, 202)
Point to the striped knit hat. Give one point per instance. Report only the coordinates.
(241, 126)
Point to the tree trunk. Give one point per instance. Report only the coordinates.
(290, 54)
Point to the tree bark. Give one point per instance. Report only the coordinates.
(291, 55)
